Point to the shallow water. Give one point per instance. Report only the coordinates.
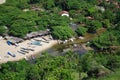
(60, 49)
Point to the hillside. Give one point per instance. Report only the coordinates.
(65, 19)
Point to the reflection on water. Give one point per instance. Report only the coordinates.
(52, 51)
(61, 51)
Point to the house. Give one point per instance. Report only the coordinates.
(64, 13)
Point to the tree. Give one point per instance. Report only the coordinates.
(81, 31)
(62, 32)
(72, 5)
(33, 73)
(92, 29)
(117, 16)
(49, 4)
(2, 30)
(34, 1)
(106, 23)
(118, 26)
(95, 2)
(23, 4)
(94, 25)
(61, 3)
(21, 27)
(108, 14)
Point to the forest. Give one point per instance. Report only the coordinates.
(19, 17)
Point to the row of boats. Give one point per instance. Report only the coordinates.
(26, 50)
(22, 51)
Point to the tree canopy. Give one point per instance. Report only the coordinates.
(62, 32)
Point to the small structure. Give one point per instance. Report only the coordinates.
(36, 8)
(36, 34)
(90, 18)
(25, 10)
(81, 37)
(14, 40)
(64, 13)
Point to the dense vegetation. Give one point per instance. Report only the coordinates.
(19, 17)
(24, 16)
(71, 66)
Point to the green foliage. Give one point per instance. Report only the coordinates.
(113, 76)
(92, 9)
(92, 29)
(81, 31)
(7, 13)
(34, 1)
(94, 25)
(92, 1)
(66, 67)
(21, 27)
(23, 4)
(73, 5)
(108, 38)
(49, 4)
(106, 23)
(90, 65)
(2, 30)
(48, 16)
(117, 16)
(118, 26)
(108, 14)
(62, 32)
(57, 20)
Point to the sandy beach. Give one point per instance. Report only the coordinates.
(2, 1)
(5, 48)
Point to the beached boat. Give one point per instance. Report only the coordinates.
(21, 52)
(11, 54)
(28, 49)
(24, 51)
(41, 40)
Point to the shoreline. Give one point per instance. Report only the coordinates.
(4, 48)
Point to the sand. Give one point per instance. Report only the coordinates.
(2, 1)
(4, 48)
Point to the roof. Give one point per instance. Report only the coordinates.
(89, 17)
(13, 39)
(64, 12)
(35, 34)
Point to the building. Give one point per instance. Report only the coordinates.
(64, 13)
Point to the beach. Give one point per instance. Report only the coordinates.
(5, 48)
(2, 1)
